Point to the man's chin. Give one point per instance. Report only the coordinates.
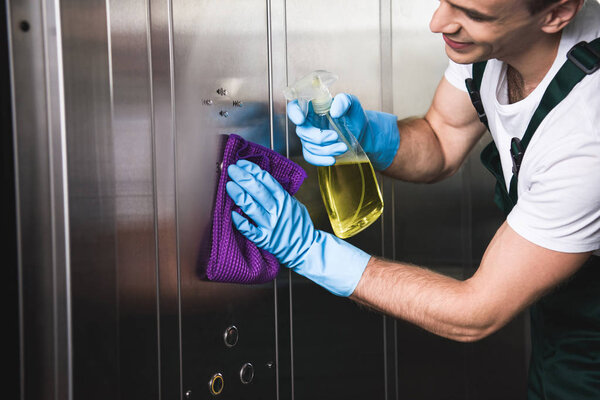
(463, 58)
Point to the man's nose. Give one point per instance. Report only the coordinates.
(444, 20)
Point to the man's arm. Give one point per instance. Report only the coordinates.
(433, 148)
(513, 274)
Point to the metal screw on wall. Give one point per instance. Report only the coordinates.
(223, 113)
(207, 102)
(237, 103)
(222, 92)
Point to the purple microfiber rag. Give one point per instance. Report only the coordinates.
(233, 258)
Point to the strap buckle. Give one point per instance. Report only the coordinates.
(517, 151)
(584, 57)
(476, 100)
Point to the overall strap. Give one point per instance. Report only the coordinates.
(583, 59)
(473, 87)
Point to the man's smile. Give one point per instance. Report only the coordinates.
(456, 45)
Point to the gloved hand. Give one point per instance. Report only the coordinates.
(377, 132)
(284, 229)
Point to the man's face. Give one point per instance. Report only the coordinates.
(478, 30)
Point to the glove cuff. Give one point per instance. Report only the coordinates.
(333, 264)
(387, 139)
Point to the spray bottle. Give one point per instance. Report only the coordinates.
(349, 187)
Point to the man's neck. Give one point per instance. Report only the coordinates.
(526, 71)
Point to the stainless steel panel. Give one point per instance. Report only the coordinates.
(107, 102)
(219, 45)
(43, 259)
(330, 333)
(132, 157)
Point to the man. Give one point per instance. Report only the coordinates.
(542, 255)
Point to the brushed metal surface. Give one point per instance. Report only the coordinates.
(163, 124)
(219, 45)
(42, 209)
(110, 179)
(132, 157)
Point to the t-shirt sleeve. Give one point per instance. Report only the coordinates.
(560, 210)
(457, 73)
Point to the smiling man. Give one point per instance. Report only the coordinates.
(527, 69)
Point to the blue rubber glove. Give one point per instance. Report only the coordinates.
(283, 227)
(377, 132)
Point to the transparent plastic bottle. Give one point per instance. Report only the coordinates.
(349, 188)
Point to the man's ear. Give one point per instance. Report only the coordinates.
(559, 14)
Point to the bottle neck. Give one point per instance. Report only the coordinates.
(322, 105)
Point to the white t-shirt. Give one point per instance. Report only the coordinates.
(559, 182)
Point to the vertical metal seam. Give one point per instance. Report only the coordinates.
(287, 154)
(270, 71)
(112, 119)
(65, 200)
(387, 103)
(17, 203)
(272, 142)
(65, 195)
(175, 183)
(285, 52)
(383, 318)
(48, 118)
(53, 204)
(154, 190)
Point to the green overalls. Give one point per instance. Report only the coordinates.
(565, 324)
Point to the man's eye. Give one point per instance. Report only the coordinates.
(475, 18)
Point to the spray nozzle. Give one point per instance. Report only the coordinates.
(312, 87)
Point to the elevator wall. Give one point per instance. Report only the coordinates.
(120, 109)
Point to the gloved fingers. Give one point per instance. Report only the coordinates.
(253, 185)
(319, 161)
(334, 149)
(309, 133)
(295, 113)
(248, 204)
(250, 231)
(340, 105)
(276, 193)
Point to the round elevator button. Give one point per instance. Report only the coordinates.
(247, 373)
(216, 384)
(231, 336)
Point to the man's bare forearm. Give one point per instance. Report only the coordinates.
(420, 157)
(437, 303)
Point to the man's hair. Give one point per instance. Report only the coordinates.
(538, 5)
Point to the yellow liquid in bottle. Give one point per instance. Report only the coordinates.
(351, 195)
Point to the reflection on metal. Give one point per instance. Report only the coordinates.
(216, 384)
(247, 373)
(231, 336)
